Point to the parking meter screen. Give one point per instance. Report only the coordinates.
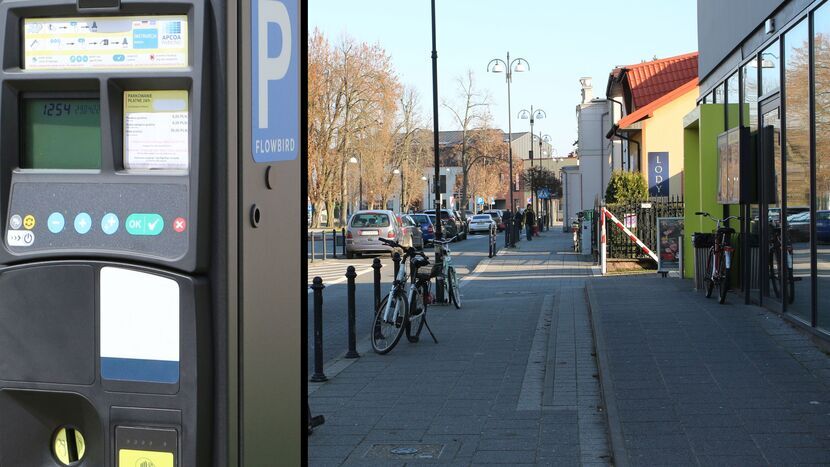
(61, 134)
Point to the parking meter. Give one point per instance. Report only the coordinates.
(145, 177)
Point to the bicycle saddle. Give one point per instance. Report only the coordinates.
(728, 230)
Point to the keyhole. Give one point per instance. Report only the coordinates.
(68, 446)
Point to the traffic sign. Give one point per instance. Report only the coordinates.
(543, 193)
(275, 76)
(479, 200)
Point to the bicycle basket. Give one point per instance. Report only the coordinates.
(703, 240)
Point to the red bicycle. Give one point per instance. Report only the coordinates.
(719, 260)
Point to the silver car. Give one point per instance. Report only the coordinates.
(481, 223)
(366, 226)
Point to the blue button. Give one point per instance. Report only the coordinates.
(55, 222)
(109, 223)
(83, 223)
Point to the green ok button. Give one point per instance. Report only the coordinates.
(144, 224)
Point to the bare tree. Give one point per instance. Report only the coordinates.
(471, 113)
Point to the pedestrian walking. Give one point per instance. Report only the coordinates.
(518, 219)
(508, 223)
(530, 221)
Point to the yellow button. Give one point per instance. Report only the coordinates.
(29, 222)
(131, 458)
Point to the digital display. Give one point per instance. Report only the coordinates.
(61, 134)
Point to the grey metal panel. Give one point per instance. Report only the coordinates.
(270, 288)
(723, 25)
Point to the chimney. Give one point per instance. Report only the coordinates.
(587, 89)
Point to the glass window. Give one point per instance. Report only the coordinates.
(749, 95)
(708, 98)
(732, 101)
(821, 96)
(370, 219)
(720, 92)
(797, 157)
(770, 69)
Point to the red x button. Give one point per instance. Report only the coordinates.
(179, 224)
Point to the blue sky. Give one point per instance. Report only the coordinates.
(562, 40)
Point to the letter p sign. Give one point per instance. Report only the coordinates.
(275, 76)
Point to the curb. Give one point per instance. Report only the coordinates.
(620, 456)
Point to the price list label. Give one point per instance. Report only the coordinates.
(156, 130)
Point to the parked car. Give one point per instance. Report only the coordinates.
(823, 227)
(427, 227)
(799, 226)
(497, 217)
(481, 223)
(451, 224)
(412, 231)
(366, 226)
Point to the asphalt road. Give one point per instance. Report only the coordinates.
(466, 255)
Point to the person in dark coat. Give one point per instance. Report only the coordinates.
(530, 221)
(508, 222)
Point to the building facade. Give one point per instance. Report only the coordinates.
(760, 145)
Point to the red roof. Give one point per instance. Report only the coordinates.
(648, 110)
(649, 81)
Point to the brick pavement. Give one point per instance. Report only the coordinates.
(691, 382)
(511, 382)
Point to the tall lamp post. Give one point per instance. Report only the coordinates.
(400, 200)
(359, 162)
(548, 203)
(533, 115)
(426, 201)
(507, 66)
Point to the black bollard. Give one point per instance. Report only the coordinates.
(312, 246)
(343, 234)
(334, 243)
(317, 286)
(350, 292)
(396, 261)
(376, 266)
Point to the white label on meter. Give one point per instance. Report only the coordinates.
(156, 130)
(20, 237)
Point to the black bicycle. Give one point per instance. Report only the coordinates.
(775, 251)
(719, 260)
(404, 308)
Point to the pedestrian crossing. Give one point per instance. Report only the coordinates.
(334, 271)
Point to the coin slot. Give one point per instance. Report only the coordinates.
(68, 446)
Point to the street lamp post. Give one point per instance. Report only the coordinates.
(359, 162)
(533, 115)
(427, 201)
(507, 66)
(400, 200)
(548, 203)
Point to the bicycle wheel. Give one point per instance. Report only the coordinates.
(455, 290)
(415, 323)
(723, 280)
(774, 267)
(386, 334)
(709, 277)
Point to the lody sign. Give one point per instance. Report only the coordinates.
(658, 173)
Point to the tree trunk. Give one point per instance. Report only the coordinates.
(330, 212)
(317, 214)
(464, 175)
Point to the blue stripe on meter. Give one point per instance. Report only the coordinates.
(275, 80)
(132, 369)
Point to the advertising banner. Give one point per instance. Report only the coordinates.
(658, 174)
(669, 243)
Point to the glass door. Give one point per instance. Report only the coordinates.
(769, 219)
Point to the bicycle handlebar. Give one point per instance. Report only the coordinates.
(408, 251)
(447, 241)
(706, 214)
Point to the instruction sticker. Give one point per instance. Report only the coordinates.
(105, 42)
(156, 130)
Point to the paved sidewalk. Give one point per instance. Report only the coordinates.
(512, 381)
(691, 382)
